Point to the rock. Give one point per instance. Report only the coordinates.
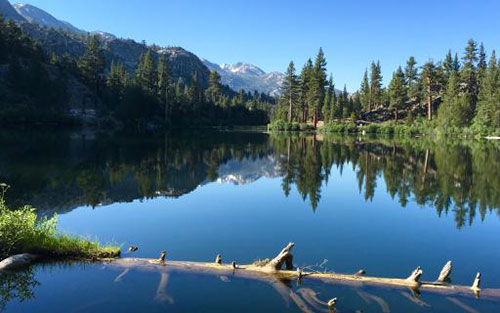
(16, 261)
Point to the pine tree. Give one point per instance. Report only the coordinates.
(305, 84)
(448, 65)
(456, 63)
(164, 86)
(146, 75)
(329, 103)
(469, 76)
(397, 92)
(411, 74)
(92, 63)
(117, 81)
(429, 81)
(194, 93)
(180, 87)
(364, 92)
(317, 85)
(375, 86)
(290, 90)
(346, 109)
(488, 106)
(481, 64)
(214, 91)
(450, 111)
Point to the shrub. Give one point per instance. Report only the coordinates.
(22, 231)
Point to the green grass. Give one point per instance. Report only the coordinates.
(22, 231)
(280, 125)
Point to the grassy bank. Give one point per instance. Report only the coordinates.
(21, 231)
(281, 125)
(419, 126)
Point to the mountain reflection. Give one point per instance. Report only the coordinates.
(58, 172)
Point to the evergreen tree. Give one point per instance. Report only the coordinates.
(456, 63)
(364, 92)
(411, 74)
(117, 81)
(469, 76)
(146, 76)
(214, 91)
(290, 90)
(488, 106)
(481, 64)
(305, 85)
(317, 86)
(92, 63)
(375, 86)
(329, 102)
(451, 113)
(429, 82)
(448, 65)
(397, 92)
(164, 86)
(180, 87)
(194, 93)
(346, 109)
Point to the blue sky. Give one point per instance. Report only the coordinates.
(271, 33)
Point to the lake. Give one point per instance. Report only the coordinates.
(380, 204)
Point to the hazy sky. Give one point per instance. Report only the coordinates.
(271, 33)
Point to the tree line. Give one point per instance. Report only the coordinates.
(310, 96)
(451, 176)
(456, 92)
(27, 87)
(34, 85)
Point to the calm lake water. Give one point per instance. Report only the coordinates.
(380, 204)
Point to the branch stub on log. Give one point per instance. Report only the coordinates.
(284, 257)
(445, 274)
(477, 282)
(415, 275)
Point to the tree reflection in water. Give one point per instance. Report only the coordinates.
(58, 172)
(18, 286)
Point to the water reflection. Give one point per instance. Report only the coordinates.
(17, 286)
(58, 172)
(99, 288)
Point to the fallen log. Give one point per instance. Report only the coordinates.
(17, 261)
(271, 271)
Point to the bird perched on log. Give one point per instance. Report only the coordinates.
(133, 249)
(218, 259)
(234, 265)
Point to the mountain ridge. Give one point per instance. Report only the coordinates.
(248, 77)
(33, 14)
(60, 37)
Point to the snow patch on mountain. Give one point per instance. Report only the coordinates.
(247, 77)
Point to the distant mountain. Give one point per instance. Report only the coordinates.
(9, 12)
(33, 14)
(60, 37)
(247, 77)
(248, 170)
